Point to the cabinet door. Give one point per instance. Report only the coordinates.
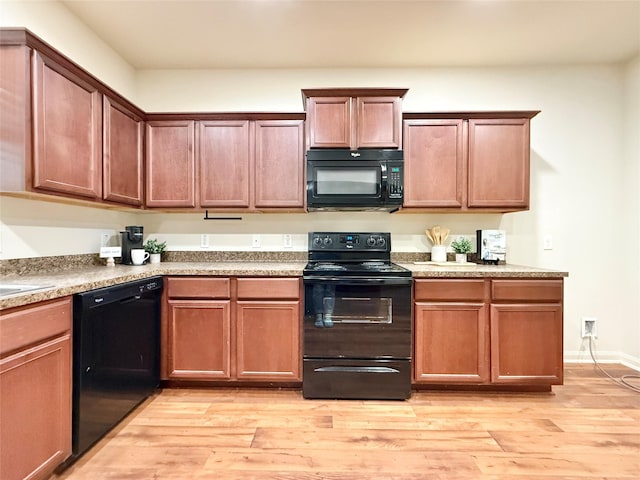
(170, 164)
(122, 154)
(499, 163)
(35, 410)
(67, 131)
(279, 163)
(451, 343)
(198, 339)
(434, 163)
(329, 122)
(268, 340)
(379, 122)
(225, 157)
(526, 343)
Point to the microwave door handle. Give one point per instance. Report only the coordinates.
(384, 193)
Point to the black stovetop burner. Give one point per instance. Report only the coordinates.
(340, 253)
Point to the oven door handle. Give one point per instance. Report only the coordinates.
(365, 281)
(357, 369)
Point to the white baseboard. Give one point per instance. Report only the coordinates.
(583, 356)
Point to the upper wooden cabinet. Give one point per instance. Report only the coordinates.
(242, 161)
(279, 164)
(354, 118)
(467, 161)
(67, 131)
(225, 159)
(64, 133)
(171, 163)
(123, 158)
(434, 163)
(498, 163)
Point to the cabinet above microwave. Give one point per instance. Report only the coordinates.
(354, 118)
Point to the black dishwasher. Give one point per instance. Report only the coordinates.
(116, 356)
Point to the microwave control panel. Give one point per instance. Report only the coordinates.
(395, 180)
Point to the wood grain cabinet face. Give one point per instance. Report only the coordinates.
(352, 120)
(170, 176)
(199, 339)
(527, 331)
(67, 131)
(329, 122)
(451, 332)
(279, 163)
(35, 390)
(268, 340)
(253, 335)
(225, 158)
(123, 137)
(378, 122)
(499, 163)
(434, 163)
(467, 163)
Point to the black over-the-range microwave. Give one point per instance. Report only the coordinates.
(340, 179)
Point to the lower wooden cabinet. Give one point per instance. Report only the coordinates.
(451, 331)
(526, 331)
(35, 389)
(233, 329)
(488, 331)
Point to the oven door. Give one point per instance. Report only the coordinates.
(357, 317)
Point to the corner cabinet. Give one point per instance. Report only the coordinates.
(231, 329)
(488, 332)
(35, 389)
(122, 153)
(66, 136)
(467, 161)
(354, 118)
(67, 131)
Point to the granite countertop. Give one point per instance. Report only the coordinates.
(428, 270)
(81, 279)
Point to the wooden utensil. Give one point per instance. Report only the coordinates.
(444, 233)
(436, 234)
(430, 237)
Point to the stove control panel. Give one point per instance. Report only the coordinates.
(349, 241)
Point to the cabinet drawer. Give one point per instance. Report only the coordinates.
(34, 323)
(449, 290)
(198, 287)
(269, 288)
(526, 290)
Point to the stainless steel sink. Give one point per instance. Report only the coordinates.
(7, 289)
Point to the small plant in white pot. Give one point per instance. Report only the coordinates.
(462, 246)
(155, 249)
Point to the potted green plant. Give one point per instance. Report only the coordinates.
(462, 246)
(155, 249)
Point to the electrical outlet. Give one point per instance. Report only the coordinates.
(287, 242)
(589, 327)
(104, 239)
(547, 242)
(255, 241)
(204, 241)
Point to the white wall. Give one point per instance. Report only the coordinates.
(584, 177)
(630, 236)
(51, 21)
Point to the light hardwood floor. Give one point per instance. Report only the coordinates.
(588, 428)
